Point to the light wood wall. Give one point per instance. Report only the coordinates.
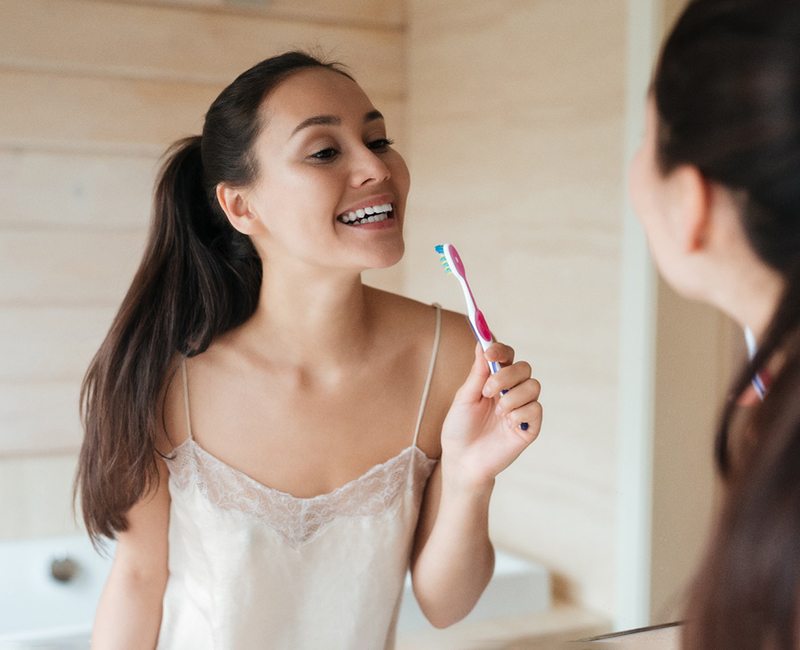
(92, 92)
(693, 366)
(516, 125)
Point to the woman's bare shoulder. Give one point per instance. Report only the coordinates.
(456, 351)
(456, 342)
(415, 312)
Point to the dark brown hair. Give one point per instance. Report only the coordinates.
(198, 278)
(727, 93)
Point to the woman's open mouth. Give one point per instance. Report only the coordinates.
(369, 214)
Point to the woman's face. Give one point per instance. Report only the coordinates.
(331, 191)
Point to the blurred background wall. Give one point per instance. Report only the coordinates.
(517, 119)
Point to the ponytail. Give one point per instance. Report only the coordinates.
(747, 592)
(198, 278)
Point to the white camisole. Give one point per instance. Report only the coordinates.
(253, 567)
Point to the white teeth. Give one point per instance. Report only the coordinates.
(368, 214)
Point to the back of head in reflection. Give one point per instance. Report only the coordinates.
(716, 184)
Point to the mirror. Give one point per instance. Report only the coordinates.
(516, 120)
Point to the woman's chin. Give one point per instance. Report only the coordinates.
(385, 256)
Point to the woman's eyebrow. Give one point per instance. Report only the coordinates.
(317, 119)
(333, 120)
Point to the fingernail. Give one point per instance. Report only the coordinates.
(523, 426)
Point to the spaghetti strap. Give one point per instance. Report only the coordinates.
(186, 397)
(434, 353)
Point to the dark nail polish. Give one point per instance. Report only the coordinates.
(524, 426)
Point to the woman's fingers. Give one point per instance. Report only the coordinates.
(527, 420)
(522, 394)
(500, 353)
(517, 390)
(470, 390)
(507, 378)
(521, 408)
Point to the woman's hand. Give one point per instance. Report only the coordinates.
(484, 430)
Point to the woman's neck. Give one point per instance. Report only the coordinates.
(319, 320)
(751, 296)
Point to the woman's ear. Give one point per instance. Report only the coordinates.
(236, 206)
(692, 208)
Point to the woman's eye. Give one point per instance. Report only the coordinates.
(325, 154)
(381, 144)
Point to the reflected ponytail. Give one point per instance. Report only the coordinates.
(198, 278)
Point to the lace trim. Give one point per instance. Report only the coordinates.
(298, 520)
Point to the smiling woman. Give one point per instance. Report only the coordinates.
(263, 430)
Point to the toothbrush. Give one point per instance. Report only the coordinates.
(451, 261)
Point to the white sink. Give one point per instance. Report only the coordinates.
(518, 587)
(38, 609)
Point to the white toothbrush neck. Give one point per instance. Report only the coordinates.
(472, 311)
(465, 288)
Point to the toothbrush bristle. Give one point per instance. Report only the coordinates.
(443, 259)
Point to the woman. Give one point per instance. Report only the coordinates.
(716, 185)
(260, 426)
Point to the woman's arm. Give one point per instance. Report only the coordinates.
(453, 558)
(129, 611)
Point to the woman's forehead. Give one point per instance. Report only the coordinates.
(312, 92)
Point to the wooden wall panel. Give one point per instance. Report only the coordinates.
(67, 267)
(516, 119)
(370, 13)
(36, 496)
(72, 113)
(693, 358)
(39, 416)
(50, 344)
(75, 190)
(90, 37)
(52, 111)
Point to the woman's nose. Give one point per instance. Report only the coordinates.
(369, 167)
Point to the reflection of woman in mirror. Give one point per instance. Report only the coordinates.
(261, 426)
(716, 184)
